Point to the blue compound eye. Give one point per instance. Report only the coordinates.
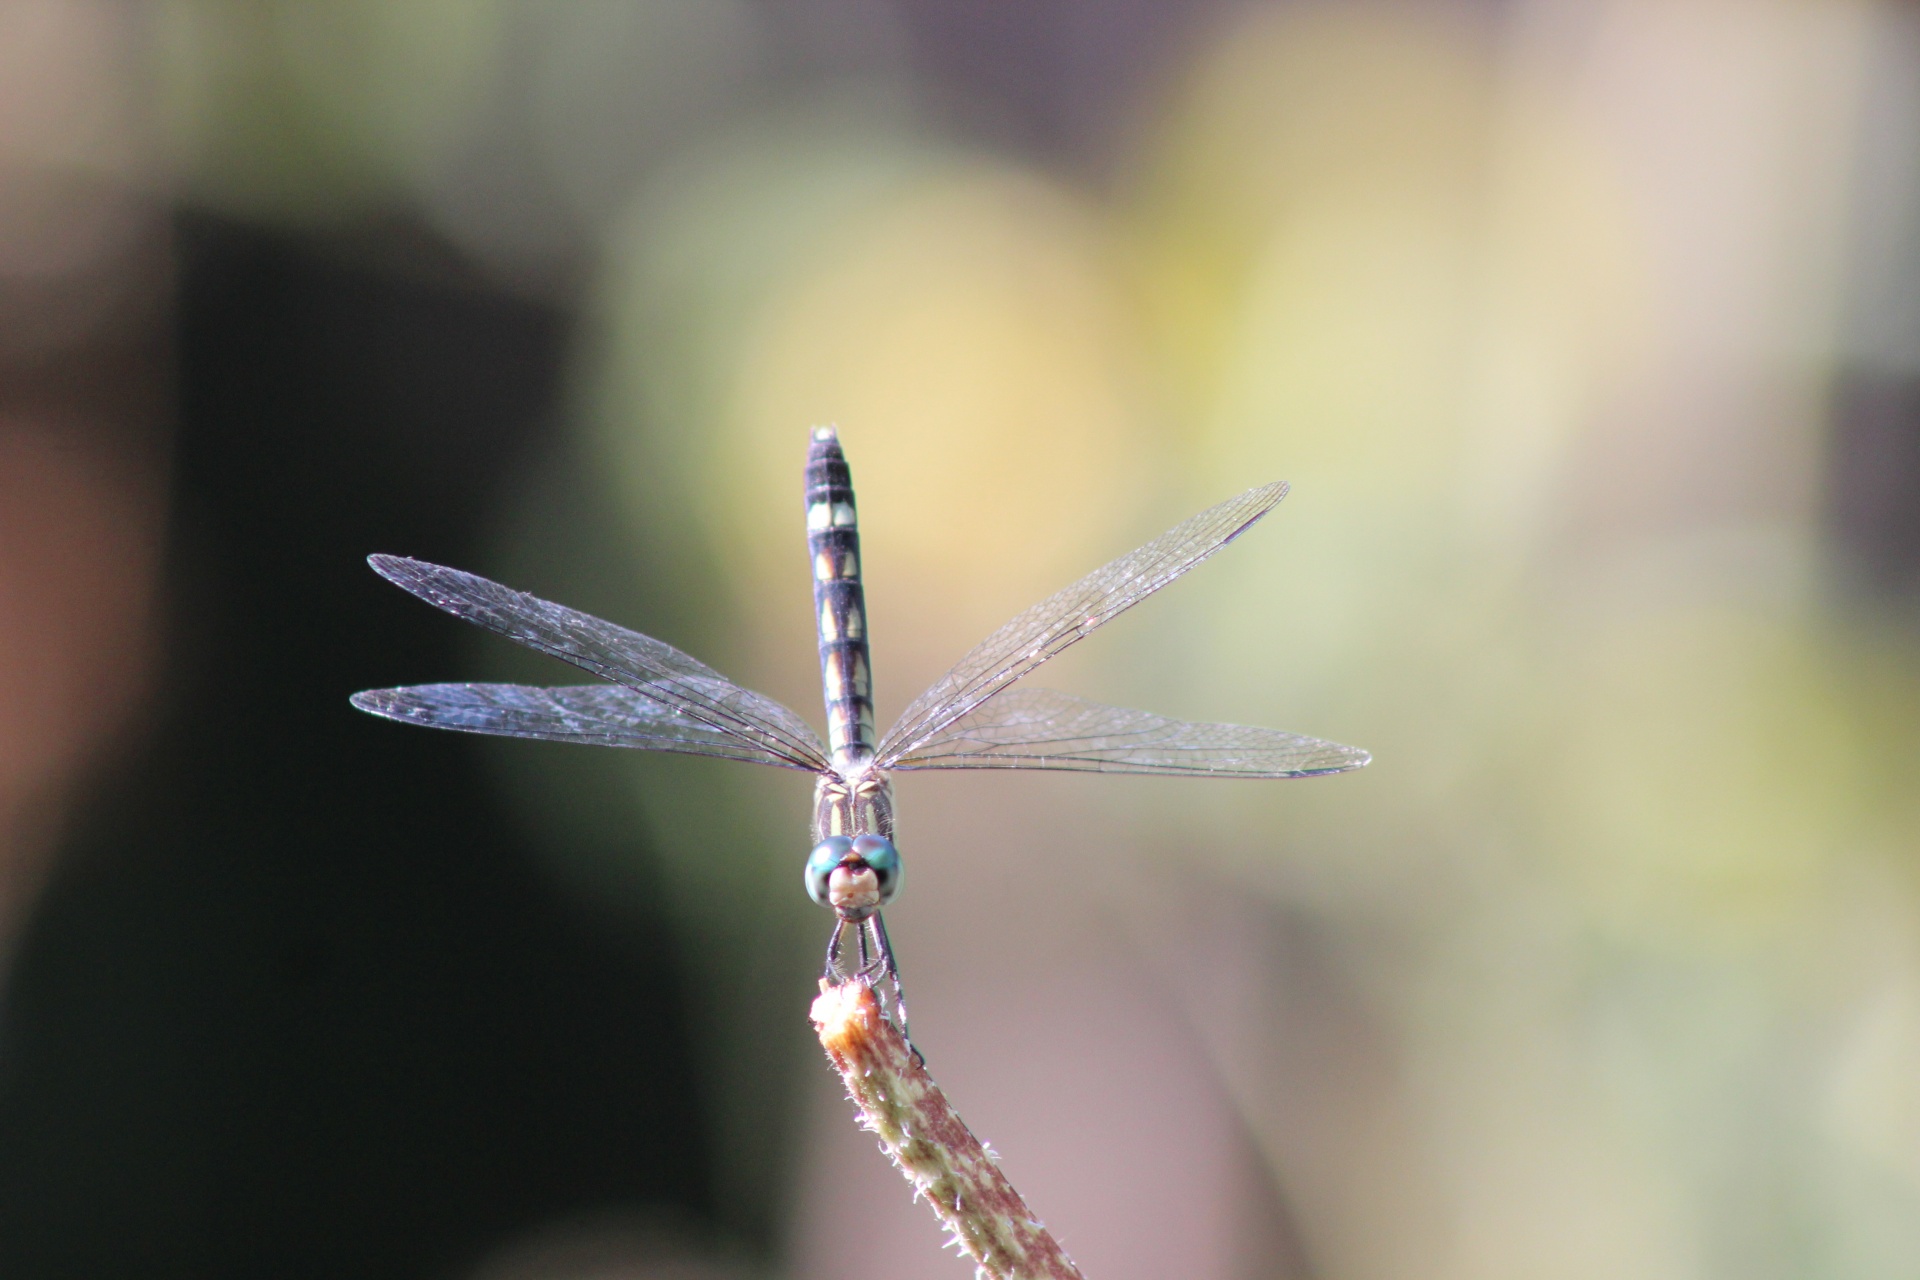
(878, 853)
(826, 855)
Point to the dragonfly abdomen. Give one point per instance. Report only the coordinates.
(839, 603)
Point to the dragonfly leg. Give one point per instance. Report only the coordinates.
(875, 967)
(835, 970)
(841, 967)
(894, 994)
(885, 948)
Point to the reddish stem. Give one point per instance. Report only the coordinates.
(929, 1144)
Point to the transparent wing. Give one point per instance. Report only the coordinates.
(658, 671)
(1069, 616)
(1041, 729)
(605, 715)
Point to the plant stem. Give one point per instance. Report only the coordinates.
(928, 1142)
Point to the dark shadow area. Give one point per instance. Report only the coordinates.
(1874, 482)
(298, 1001)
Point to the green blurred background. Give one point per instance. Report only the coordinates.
(1588, 334)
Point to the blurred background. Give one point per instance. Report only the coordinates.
(1588, 334)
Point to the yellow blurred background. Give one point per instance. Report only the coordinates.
(1587, 334)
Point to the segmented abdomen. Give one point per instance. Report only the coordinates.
(839, 604)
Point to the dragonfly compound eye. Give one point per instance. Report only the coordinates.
(856, 877)
(826, 856)
(880, 855)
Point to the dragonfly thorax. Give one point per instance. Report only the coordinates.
(853, 804)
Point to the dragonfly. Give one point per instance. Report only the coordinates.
(652, 697)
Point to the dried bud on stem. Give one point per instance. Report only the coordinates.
(929, 1144)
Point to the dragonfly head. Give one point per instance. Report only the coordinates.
(855, 875)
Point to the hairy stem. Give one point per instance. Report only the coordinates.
(929, 1144)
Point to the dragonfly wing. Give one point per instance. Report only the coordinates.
(1071, 615)
(604, 715)
(1041, 729)
(652, 668)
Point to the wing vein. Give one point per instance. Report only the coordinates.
(1068, 616)
(1044, 729)
(649, 667)
(600, 714)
